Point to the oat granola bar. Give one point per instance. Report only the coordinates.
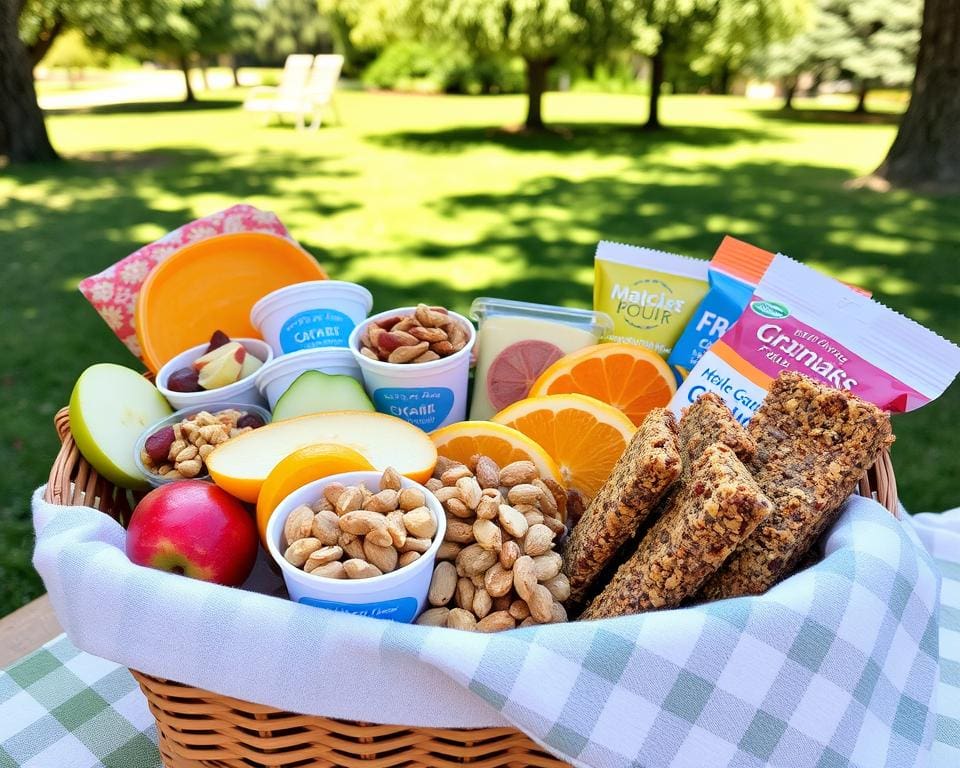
(648, 467)
(814, 444)
(709, 421)
(716, 507)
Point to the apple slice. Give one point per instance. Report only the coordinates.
(251, 364)
(225, 350)
(223, 370)
(111, 406)
(241, 465)
(318, 392)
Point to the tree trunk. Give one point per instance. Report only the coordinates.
(861, 107)
(235, 70)
(656, 81)
(185, 68)
(723, 79)
(536, 86)
(23, 134)
(204, 75)
(926, 151)
(45, 40)
(789, 91)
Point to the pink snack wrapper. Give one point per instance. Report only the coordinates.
(113, 292)
(801, 320)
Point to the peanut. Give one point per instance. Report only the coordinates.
(396, 528)
(547, 565)
(443, 584)
(512, 521)
(538, 540)
(524, 493)
(524, 577)
(448, 550)
(332, 570)
(384, 501)
(498, 581)
(455, 473)
(509, 554)
(470, 492)
(190, 468)
(360, 569)
(458, 618)
(361, 522)
(385, 558)
(559, 587)
(349, 500)
(488, 535)
(458, 508)
(298, 551)
(332, 492)
(433, 617)
(408, 557)
(413, 544)
(419, 522)
(488, 508)
(458, 532)
(519, 609)
(541, 604)
(475, 560)
(465, 593)
(298, 524)
(322, 556)
(411, 498)
(518, 472)
(482, 603)
(390, 480)
(496, 622)
(351, 545)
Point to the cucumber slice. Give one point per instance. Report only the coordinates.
(318, 392)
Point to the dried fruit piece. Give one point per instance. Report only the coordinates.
(158, 444)
(184, 380)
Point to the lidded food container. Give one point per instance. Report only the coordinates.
(318, 313)
(519, 340)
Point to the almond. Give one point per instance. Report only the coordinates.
(455, 473)
(407, 354)
(384, 501)
(465, 593)
(349, 500)
(541, 604)
(498, 581)
(509, 553)
(487, 472)
(298, 552)
(475, 560)
(351, 545)
(332, 570)
(519, 609)
(470, 492)
(448, 550)
(419, 522)
(482, 603)
(385, 558)
(512, 521)
(411, 498)
(458, 532)
(487, 533)
(458, 508)
(408, 557)
(559, 587)
(547, 565)
(322, 556)
(524, 493)
(524, 577)
(413, 544)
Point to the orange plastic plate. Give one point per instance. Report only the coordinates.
(214, 284)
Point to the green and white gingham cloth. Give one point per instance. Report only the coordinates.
(837, 666)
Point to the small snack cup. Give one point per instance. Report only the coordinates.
(175, 418)
(427, 395)
(400, 595)
(276, 377)
(319, 313)
(243, 391)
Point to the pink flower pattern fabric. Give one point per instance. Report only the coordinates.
(113, 292)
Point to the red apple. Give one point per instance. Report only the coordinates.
(195, 529)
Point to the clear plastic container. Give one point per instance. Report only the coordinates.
(157, 480)
(518, 340)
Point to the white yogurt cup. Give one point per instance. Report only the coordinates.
(319, 313)
(427, 395)
(243, 391)
(275, 378)
(400, 595)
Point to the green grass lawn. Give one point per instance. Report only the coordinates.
(419, 198)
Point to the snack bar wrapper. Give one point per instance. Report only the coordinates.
(650, 294)
(732, 274)
(801, 320)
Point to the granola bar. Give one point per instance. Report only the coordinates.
(716, 507)
(709, 421)
(648, 467)
(814, 444)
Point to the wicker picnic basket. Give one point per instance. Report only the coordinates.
(202, 729)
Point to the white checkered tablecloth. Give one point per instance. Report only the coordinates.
(62, 708)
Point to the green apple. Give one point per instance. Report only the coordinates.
(223, 369)
(318, 392)
(251, 364)
(110, 408)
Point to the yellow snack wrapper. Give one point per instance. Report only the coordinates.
(651, 295)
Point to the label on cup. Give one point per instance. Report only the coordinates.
(315, 328)
(402, 609)
(424, 407)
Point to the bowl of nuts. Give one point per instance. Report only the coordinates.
(416, 363)
(359, 542)
(176, 447)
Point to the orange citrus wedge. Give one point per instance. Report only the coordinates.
(583, 435)
(303, 466)
(504, 445)
(634, 379)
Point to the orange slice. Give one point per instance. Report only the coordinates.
(504, 445)
(583, 435)
(301, 467)
(631, 378)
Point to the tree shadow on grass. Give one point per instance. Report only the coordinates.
(828, 116)
(148, 107)
(568, 138)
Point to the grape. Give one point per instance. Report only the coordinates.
(184, 380)
(158, 444)
(249, 420)
(218, 339)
